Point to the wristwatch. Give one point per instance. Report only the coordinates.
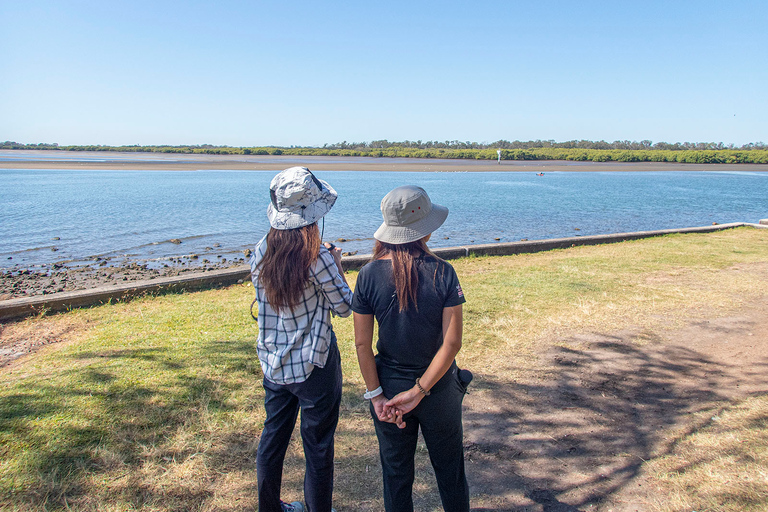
(372, 394)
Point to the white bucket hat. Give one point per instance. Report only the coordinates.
(409, 215)
(298, 199)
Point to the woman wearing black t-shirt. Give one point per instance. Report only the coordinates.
(413, 380)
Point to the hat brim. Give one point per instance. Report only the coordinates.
(415, 231)
(306, 216)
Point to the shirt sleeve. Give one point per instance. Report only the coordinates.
(455, 295)
(360, 302)
(336, 291)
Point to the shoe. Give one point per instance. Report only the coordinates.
(296, 506)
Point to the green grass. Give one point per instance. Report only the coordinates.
(155, 404)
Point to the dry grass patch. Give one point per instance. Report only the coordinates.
(722, 466)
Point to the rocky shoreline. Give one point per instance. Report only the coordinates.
(99, 271)
(58, 277)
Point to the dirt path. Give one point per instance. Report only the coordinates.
(19, 339)
(574, 437)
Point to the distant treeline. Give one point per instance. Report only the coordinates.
(601, 151)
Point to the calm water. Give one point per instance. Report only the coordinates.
(134, 214)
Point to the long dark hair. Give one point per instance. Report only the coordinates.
(403, 268)
(285, 267)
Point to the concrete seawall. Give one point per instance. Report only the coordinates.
(64, 301)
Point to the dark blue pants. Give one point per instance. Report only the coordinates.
(439, 417)
(318, 397)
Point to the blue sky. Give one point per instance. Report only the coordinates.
(307, 73)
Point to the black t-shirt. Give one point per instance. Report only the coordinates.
(408, 340)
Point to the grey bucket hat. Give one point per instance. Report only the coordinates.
(298, 199)
(409, 215)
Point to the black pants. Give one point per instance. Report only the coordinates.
(318, 397)
(439, 417)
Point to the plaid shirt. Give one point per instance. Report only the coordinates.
(292, 343)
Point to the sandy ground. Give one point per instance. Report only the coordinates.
(182, 162)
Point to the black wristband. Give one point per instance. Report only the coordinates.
(426, 393)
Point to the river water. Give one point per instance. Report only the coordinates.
(52, 215)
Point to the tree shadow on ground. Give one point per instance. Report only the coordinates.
(134, 434)
(579, 434)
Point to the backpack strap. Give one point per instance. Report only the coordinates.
(252, 303)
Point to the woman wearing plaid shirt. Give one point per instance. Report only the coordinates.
(298, 284)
